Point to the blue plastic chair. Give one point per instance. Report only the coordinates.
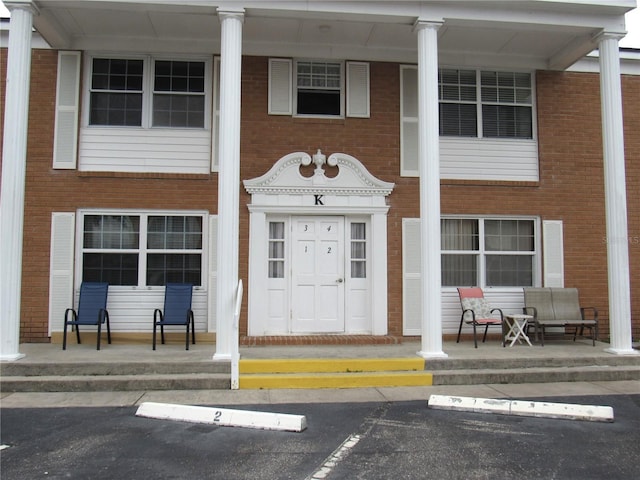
(92, 310)
(177, 311)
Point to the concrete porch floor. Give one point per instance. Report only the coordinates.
(557, 351)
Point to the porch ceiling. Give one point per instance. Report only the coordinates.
(527, 34)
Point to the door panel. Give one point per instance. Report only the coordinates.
(318, 275)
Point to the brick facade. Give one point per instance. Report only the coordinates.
(571, 186)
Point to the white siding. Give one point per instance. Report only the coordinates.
(488, 159)
(142, 150)
(131, 309)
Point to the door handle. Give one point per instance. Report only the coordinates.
(340, 280)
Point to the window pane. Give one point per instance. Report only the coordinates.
(118, 109)
(178, 111)
(459, 270)
(509, 235)
(509, 270)
(114, 268)
(507, 121)
(174, 232)
(358, 269)
(276, 269)
(276, 230)
(458, 119)
(111, 232)
(318, 102)
(173, 268)
(459, 234)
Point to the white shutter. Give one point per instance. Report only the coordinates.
(61, 268)
(409, 166)
(65, 137)
(553, 253)
(213, 271)
(280, 86)
(411, 277)
(358, 89)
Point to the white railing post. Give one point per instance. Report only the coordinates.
(235, 350)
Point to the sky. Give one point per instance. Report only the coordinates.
(632, 40)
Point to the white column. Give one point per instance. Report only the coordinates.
(228, 178)
(14, 164)
(429, 160)
(615, 196)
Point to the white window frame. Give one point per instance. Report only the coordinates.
(482, 253)
(142, 249)
(147, 85)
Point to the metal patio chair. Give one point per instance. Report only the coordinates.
(477, 311)
(92, 310)
(177, 311)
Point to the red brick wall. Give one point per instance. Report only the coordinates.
(570, 188)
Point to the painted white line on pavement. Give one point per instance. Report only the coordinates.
(223, 416)
(335, 457)
(2, 447)
(593, 413)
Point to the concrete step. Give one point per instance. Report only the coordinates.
(98, 383)
(112, 368)
(585, 373)
(437, 364)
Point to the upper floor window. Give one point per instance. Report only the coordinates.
(488, 104)
(319, 88)
(146, 92)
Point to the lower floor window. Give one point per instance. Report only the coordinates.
(149, 249)
(488, 252)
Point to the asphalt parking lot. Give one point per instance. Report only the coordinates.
(375, 440)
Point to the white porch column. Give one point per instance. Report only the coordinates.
(14, 165)
(429, 160)
(615, 196)
(228, 178)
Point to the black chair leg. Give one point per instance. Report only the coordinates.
(64, 337)
(193, 331)
(187, 337)
(154, 334)
(460, 328)
(162, 333)
(77, 333)
(99, 335)
(475, 339)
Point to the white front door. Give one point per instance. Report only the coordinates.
(317, 267)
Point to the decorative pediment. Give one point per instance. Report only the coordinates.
(285, 177)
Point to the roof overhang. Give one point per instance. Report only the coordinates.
(528, 34)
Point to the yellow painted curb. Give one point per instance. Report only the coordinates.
(344, 380)
(328, 365)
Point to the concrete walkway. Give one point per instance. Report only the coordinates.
(48, 353)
